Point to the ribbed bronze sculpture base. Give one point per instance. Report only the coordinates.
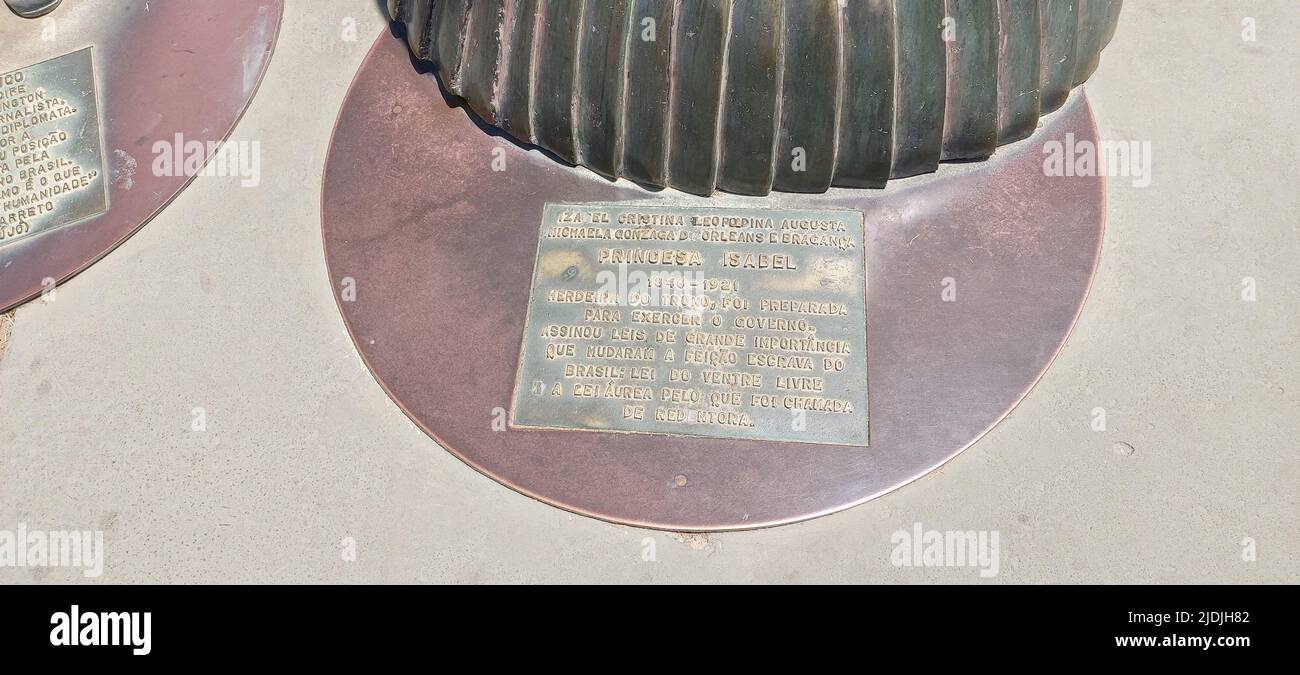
(750, 96)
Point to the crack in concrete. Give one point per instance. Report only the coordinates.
(6, 329)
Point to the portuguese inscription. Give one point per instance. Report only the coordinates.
(51, 156)
(719, 322)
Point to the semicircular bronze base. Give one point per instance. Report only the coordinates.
(161, 72)
(431, 255)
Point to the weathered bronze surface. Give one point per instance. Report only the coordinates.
(30, 9)
(144, 79)
(756, 95)
(52, 170)
(697, 321)
(974, 278)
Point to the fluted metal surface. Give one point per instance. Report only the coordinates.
(751, 96)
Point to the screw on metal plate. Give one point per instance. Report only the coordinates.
(31, 9)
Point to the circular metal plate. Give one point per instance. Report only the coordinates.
(439, 250)
(161, 70)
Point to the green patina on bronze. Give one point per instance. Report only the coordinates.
(750, 96)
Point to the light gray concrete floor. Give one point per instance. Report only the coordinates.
(222, 303)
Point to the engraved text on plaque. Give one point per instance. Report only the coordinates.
(51, 155)
(720, 322)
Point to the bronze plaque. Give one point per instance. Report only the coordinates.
(51, 150)
(696, 321)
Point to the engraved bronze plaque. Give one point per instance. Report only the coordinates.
(720, 322)
(51, 149)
